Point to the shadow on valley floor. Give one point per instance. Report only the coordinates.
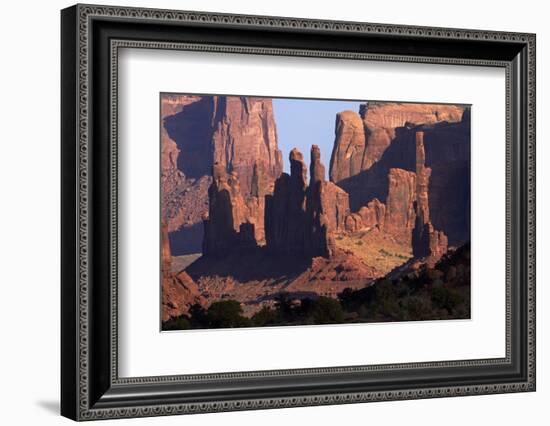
(257, 265)
(187, 240)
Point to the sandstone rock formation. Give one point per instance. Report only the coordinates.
(183, 195)
(244, 135)
(327, 207)
(185, 159)
(362, 138)
(262, 184)
(406, 214)
(369, 216)
(227, 226)
(300, 218)
(179, 291)
(237, 133)
(400, 215)
(166, 254)
(423, 174)
(329, 276)
(397, 216)
(427, 242)
(382, 118)
(285, 210)
(390, 130)
(349, 148)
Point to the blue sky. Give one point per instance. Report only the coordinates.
(305, 122)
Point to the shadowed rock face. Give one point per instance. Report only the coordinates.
(301, 219)
(191, 130)
(228, 226)
(423, 174)
(285, 210)
(327, 207)
(237, 133)
(183, 193)
(446, 144)
(427, 242)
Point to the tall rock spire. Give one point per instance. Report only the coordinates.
(427, 242)
(422, 179)
(300, 218)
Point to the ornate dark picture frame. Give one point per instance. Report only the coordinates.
(91, 37)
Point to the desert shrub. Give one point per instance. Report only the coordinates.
(266, 316)
(198, 316)
(348, 299)
(417, 308)
(226, 314)
(353, 300)
(385, 291)
(284, 306)
(178, 323)
(446, 298)
(326, 310)
(437, 283)
(304, 313)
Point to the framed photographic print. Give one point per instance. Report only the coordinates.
(263, 212)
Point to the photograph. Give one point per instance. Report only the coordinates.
(295, 211)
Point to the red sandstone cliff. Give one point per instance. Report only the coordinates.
(362, 138)
(406, 214)
(300, 218)
(362, 162)
(237, 133)
(228, 226)
(245, 135)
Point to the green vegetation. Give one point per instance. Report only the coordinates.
(179, 323)
(426, 294)
(229, 314)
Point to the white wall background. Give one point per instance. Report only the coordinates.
(29, 212)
